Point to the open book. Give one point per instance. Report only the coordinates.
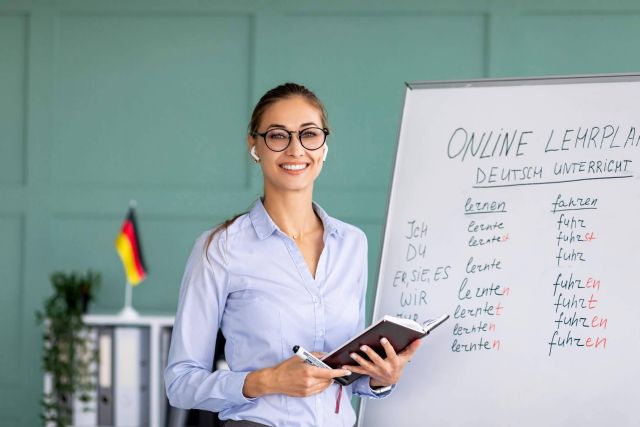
(400, 333)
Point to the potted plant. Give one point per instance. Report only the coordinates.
(67, 356)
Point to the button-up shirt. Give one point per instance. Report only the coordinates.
(253, 283)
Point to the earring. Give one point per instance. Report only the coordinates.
(254, 155)
(326, 150)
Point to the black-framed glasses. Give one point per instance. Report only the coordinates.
(278, 139)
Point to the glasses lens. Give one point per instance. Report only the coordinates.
(312, 138)
(277, 139)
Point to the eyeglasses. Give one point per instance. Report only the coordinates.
(279, 139)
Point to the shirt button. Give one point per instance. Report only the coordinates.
(315, 300)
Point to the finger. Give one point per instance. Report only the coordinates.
(335, 373)
(373, 356)
(357, 369)
(411, 349)
(388, 348)
(318, 354)
(329, 373)
(362, 361)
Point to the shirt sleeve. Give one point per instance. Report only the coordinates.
(361, 387)
(189, 380)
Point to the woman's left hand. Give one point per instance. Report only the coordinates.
(387, 371)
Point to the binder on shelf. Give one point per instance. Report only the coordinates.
(165, 342)
(105, 376)
(85, 412)
(131, 382)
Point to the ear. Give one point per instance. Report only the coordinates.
(254, 155)
(326, 151)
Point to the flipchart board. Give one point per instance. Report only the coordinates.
(515, 208)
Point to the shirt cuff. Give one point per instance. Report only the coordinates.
(362, 388)
(235, 384)
(381, 390)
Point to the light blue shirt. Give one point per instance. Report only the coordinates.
(254, 284)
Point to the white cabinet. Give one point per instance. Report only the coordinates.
(129, 376)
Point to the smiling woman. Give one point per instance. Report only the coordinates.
(289, 142)
(281, 275)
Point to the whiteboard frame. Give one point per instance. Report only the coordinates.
(493, 82)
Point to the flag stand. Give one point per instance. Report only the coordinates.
(128, 312)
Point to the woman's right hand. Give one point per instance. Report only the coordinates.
(293, 377)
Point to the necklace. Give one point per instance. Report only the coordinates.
(302, 233)
(296, 236)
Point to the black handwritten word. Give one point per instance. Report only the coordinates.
(573, 321)
(473, 267)
(471, 207)
(421, 275)
(482, 344)
(570, 341)
(573, 256)
(481, 241)
(497, 174)
(416, 250)
(591, 167)
(412, 298)
(488, 309)
(481, 292)
(594, 137)
(481, 326)
(570, 223)
(476, 227)
(572, 203)
(486, 144)
(416, 231)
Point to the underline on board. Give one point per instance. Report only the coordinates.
(483, 212)
(570, 209)
(553, 182)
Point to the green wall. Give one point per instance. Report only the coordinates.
(106, 101)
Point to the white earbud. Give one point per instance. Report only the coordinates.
(254, 155)
(326, 150)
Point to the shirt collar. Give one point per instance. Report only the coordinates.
(265, 227)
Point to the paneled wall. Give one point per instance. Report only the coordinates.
(106, 101)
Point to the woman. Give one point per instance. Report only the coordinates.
(283, 274)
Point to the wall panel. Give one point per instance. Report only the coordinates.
(575, 43)
(13, 71)
(146, 100)
(11, 284)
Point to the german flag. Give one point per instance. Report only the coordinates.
(128, 247)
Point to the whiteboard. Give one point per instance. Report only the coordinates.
(515, 208)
